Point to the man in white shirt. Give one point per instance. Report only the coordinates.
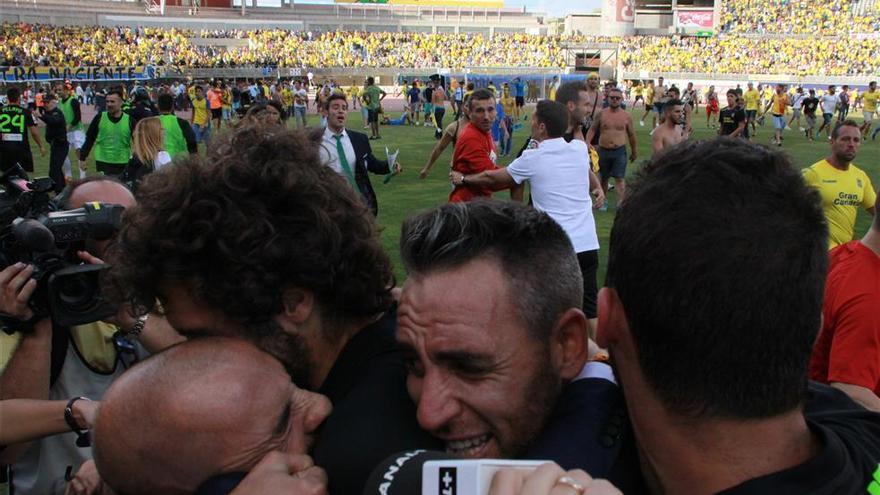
(829, 103)
(559, 175)
(300, 99)
(349, 153)
(797, 104)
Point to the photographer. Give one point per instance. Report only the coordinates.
(51, 362)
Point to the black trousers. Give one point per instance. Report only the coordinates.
(589, 263)
(439, 112)
(58, 150)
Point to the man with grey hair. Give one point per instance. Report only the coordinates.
(495, 341)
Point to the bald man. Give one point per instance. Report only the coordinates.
(203, 408)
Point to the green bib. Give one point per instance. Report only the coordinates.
(66, 107)
(113, 144)
(175, 143)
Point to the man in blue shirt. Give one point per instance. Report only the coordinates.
(415, 103)
(519, 88)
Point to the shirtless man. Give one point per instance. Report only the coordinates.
(439, 101)
(615, 129)
(450, 136)
(660, 99)
(594, 100)
(686, 121)
(712, 107)
(670, 131)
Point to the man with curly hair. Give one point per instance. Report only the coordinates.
(258, 241)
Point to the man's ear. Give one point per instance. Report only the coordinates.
(570, 340)
(612, 323)
(298, 304)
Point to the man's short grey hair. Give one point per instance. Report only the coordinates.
(533, 252)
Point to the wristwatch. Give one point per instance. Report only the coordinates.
(83, 438)
(11, 324)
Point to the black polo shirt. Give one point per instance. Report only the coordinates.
(849, 459)
(373, 415)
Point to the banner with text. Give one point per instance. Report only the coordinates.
(20, 74)
(695, 19)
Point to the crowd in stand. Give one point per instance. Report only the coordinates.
(726, 54)
(816, 17)
(734, 51)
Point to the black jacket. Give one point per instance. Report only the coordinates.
(56, 127)
(365, 162)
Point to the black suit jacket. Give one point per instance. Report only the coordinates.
(365, 163)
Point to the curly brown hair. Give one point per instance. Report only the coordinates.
(259, 214)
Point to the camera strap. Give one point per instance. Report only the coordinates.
(60, 342)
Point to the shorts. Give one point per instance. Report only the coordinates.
(612, 162)
(869, 116)
(826, 118)
(658, 107)
(216, 113)
(712, 108)
(429, 108)
(76, 138)
(520, 101)
(778, 122)
(416, 107)
(811, 121)
(751, 115)
(796, 113)
(372, 116)
(589, 264)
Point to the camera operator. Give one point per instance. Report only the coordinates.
(59, 363)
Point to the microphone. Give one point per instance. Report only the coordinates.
(33, 235)
(438, 473)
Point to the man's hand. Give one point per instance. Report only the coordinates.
(598, 197)
(42, 151)
(85, 412)
(549, 479)
(633, 155)
(16, 288)
(89, 258)
(284, 473)
(423, 173)
(456, 177)
(87, 481)
(397, 168)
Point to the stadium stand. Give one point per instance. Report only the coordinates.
(823, 38)
(815, 17)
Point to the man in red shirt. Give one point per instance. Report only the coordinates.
(847, 353)
(215, 99)
(475, 149)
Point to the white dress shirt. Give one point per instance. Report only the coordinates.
(330, 156)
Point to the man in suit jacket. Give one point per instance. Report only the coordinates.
(349, 153)
(495, 341)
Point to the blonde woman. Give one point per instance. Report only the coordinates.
(147, 150)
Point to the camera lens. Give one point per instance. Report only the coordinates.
(78, 292)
